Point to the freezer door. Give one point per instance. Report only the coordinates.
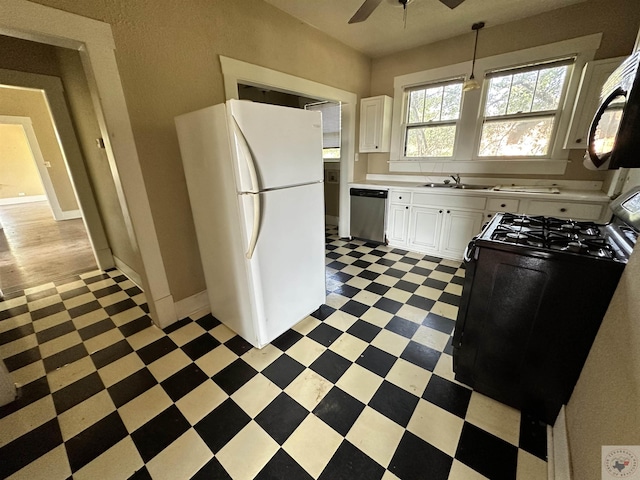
(275, 146)
(287, 265)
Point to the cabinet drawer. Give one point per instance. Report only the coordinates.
(578, 211)
(399, 196)
(453, 201)
(503, 205)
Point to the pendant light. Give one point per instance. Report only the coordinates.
(472, 84)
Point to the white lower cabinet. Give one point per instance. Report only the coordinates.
(443, 232)
(398, 224)
(458, 228)
(425, 228)
(443, 224)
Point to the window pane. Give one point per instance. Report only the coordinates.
(498, 96)
(330, 153)
(416, 106)
(430, 141)
(432, 104)
(451, 102)
(549, 89)
(522, 90)
(525, 137)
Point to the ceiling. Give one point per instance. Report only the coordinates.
(428, 21)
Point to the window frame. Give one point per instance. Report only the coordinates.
(465, 159)
(331, 104)
(552, 152)
(406, 125)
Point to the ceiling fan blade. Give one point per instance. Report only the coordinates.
(452, 3)
(364, 11)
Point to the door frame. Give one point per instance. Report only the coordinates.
(53, 93)
(95, 43)
(38, 159)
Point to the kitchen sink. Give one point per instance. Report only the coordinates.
(466, 186)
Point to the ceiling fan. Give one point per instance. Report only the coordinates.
(369, 6)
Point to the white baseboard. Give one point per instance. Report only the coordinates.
(194, 306)
(69, 214)
(128, 271)
(559, 458)
(25, 199)
(331, 220)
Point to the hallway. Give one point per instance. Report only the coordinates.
(35, 249)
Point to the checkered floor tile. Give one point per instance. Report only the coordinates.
(361, 389)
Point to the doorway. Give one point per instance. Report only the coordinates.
(39, 242)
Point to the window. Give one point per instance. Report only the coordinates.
(432, 115)
(521, 110)
(516, 123)
(331, 125)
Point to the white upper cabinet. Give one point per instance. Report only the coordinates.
(594, 75)
(375, 124)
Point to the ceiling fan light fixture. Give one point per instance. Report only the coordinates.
(472, 83)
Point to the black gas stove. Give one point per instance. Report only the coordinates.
(546, 236)
(535, 292)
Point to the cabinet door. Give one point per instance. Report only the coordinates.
(398, 224)
(375, 124)
(425, 228)
(458, 229)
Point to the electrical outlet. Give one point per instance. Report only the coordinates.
(47, 164)
(332, 176)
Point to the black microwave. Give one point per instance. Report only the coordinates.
(614, 135)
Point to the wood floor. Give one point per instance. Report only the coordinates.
(36, 249)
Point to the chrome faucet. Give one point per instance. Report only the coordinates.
(456, 178)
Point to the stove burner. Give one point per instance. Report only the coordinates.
(577, 247)
(570, 227)
(517, 236)
(521, 221)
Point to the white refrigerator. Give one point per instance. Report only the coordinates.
(255, 178)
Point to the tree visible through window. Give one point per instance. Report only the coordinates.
(432, 114)
(521, 110)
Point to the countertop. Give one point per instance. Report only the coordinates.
(564, 192)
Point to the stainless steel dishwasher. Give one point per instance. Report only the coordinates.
(368, 214)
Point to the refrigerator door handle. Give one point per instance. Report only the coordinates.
(256, 225)
(251, 166)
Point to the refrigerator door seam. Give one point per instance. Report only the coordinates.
(251, 166)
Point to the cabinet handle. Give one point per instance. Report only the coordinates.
(448, 211)
(578, 140)
(489, 215)
(376, 146)
(440, 211)
(563, 209)
(406, 208)
(400, 198)
(503, 205)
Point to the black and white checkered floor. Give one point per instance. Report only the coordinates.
(362, 389)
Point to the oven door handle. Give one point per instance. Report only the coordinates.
(468, 252)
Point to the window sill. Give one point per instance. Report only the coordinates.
(532, 166)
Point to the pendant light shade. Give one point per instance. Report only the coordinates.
(471, 83)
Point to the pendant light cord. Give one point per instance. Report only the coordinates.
(475, 47)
